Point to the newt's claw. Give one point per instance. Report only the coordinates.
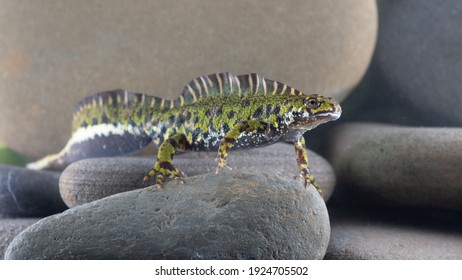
(181, 177)
(164, 170)
(309, 180)
(221, 164)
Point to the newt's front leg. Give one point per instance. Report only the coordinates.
(230, 138)
(163, 167)
(303, 165)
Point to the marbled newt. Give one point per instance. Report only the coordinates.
(219, 111)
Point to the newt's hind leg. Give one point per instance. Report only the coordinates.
(163, 167)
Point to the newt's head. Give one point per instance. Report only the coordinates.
(316, 110)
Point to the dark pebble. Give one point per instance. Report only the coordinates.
(399, 165)
(29, 193)
(397, 234)
(9, 228)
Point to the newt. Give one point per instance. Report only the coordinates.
(215, 112)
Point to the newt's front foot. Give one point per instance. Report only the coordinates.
(221, 164)
(309, 179)
(163, 170)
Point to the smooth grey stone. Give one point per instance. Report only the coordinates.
(357, 235)
(93, 179)
(418, 56)
(235, 215)
(9, 228)
(398, 165)
(29, 193)
(159, 46)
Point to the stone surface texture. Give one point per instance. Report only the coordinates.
(411, 166)
(357, 236)
(242, 215)
(92, 179)
(29, 193)
(418, 55)
(52, 54)
(9, 228)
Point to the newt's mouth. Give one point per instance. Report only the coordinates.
(332, 115)
(308, 124)
(328, 116)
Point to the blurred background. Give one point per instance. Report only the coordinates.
(54, 53)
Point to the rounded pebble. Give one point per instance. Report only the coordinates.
(29, 193)
(239, 215)
(418, 56)
(9, 228)
(358, 236)
(397, 165)
(92, 179)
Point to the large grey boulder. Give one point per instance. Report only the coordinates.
(236, 215)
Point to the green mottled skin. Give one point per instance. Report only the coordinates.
(215, 112)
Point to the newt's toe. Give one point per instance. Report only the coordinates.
(220, 165)
(309, 180)
(163, 170)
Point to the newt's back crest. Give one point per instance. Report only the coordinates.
(226, 84)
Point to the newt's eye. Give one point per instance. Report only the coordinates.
(312, 103)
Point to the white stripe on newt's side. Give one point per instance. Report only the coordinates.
(103, 129)
(84, 134)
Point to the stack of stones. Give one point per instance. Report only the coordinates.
(394, 162)
(398, 153)
(256, 211)
(26, 197)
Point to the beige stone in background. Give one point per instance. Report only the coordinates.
(53, 53)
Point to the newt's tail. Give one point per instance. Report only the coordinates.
(109, 123)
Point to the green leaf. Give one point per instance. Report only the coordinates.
(8, 156)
